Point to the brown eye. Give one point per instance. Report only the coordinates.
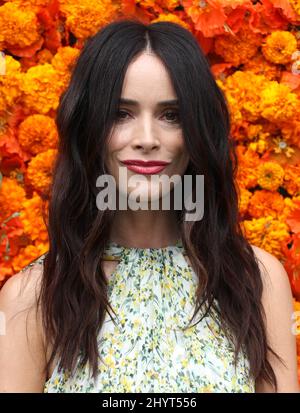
(173, 116)
(121, 115)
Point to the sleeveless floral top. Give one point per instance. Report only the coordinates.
(152, 291)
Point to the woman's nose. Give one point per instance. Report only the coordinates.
(146, 138)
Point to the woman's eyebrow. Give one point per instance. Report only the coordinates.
(172, 102)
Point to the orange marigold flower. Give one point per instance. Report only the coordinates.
(65, 58)
(245, 89)
(27, 255)
(85, 18)
(12, 196)
(291, 181)
(31, 217)
(44, 56)
(290, 205)
(64, 61)
(39, 171)
(265, 203)
(233, 104)
(41, 86)
(278, 103)
(260, 66)
(295, 5)
(291, 131)
(240, 47)
(270, 175)
(37, 133)
(157, 5)
(279, 46)
(267, 233)
(18, 27)
(244, 198)
(248, 162)
(170, 4)
(256, 135)
(171, 18)
(9, 82)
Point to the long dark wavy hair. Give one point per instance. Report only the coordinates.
(73, 293)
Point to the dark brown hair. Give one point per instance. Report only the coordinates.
(74, 288)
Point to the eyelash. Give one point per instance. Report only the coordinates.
(168, 111)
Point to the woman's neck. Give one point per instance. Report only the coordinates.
(145, 229)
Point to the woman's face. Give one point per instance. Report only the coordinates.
(148, 129)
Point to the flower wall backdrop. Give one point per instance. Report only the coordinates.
(254, 51)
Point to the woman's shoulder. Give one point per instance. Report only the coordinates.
(22, 320)
(271, 268)
(25, 283)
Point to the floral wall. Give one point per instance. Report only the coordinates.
(254, 51)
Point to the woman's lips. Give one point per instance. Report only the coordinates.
(145, 167)
(146, 170)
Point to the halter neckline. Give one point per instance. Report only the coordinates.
(116, 250)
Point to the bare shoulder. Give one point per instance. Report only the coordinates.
(22, 334)
(25, 284)
(272, 270)
(278, 305)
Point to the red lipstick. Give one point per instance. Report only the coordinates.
(145, 167)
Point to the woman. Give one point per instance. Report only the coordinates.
(145, 300)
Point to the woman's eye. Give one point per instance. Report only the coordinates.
(121, 114)
(171, 114)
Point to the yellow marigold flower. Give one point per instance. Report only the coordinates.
(171, 18)
(244, 198)
(270, 175)
(27, 255)
(265, 203)
(31, 217)
(278, 103)
(37, 133)
(9, 82)
(18, 27)
(86, 17)
(238, 48)
(245, 88)
(39, 171)
(12, 196)
(260, 146)
(279, 46)
(260, 66)
(41, 86)
(267, 233)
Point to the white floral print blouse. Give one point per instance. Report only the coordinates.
(152, 291)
